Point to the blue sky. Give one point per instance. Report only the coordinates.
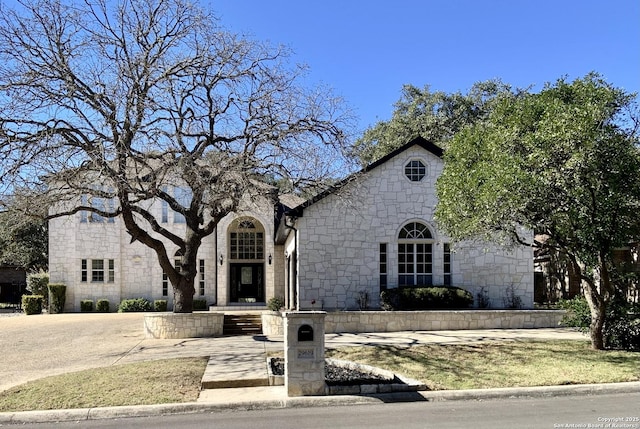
(367, 49)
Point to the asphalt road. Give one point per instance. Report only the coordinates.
(601, 411)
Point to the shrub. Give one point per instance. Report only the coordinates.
(512, 300)
(621, 329)
(86, 305)
(160, 305)
(103, 306)
(57, 298)
(622, 326)
(32, 304)
(424, 298)
(623, 333)
(37, 284)
(133, 305)
(199, 304)
(275, 303)
(482, 297)
(578, 314)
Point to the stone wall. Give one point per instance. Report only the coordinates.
(183, 325)
(272, 323)
(341, 234)
(394, 321)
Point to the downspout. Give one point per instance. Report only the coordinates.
(215, 264)
(294, 273)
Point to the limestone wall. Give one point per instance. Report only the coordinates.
(394, 321)
(183, 325)
(340, 237)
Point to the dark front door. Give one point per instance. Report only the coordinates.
(247, 282)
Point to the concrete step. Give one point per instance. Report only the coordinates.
(242, 324)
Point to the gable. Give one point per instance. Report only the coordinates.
(428, 146)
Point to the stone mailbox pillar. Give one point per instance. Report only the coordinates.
(304, 353)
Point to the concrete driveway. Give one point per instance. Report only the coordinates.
(37, 346)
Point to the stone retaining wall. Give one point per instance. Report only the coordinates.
(393, 321)
(183, 325)
(272, 323)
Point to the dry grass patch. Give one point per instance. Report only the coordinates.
(500, 364)
(154, 382)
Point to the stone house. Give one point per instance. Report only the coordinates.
(374, 230)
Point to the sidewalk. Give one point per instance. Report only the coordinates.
(80, 341)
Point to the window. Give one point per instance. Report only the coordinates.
(165, 284)
(246, 241)
(111, 274)
(383, 266)
(97, 270)
(83, 271)
(164, 208)
(99, 274)
(183, 197)
(177, 263)
(106, 205)
(415, 255)
(415, 170)
(201, 276)
(447, 263)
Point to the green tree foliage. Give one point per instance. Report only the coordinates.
(435, 115)
(23, 241)
(564, 163)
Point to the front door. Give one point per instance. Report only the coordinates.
(247, 282)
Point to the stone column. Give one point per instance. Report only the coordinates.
(304, 373)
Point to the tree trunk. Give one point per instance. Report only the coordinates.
(183, 296)
(597, 327)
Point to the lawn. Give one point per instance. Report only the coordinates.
(500, 364)
(153, 382)
(442, 366)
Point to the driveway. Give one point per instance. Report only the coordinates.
(37, 346)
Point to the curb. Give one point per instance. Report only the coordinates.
(82, 414)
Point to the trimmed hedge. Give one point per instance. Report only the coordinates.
(134, 305)
(160, 305)
(199, 304)
(57, 297)
(37, 285)
(32, 304)
(103, 306)
(426, 298)
(86, 306)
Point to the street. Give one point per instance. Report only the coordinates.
(597, 411)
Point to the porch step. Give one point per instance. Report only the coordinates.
(242, 324)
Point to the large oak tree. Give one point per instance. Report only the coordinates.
(563, 162)
(126, 100)
(434, 115)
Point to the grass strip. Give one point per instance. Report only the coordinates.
(500, 364)
(152, 382)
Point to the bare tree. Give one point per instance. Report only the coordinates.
(124, 101)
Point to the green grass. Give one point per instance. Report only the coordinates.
(153, 382)
(507, 364)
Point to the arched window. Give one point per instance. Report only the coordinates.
(415, 255)
(246, 240)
